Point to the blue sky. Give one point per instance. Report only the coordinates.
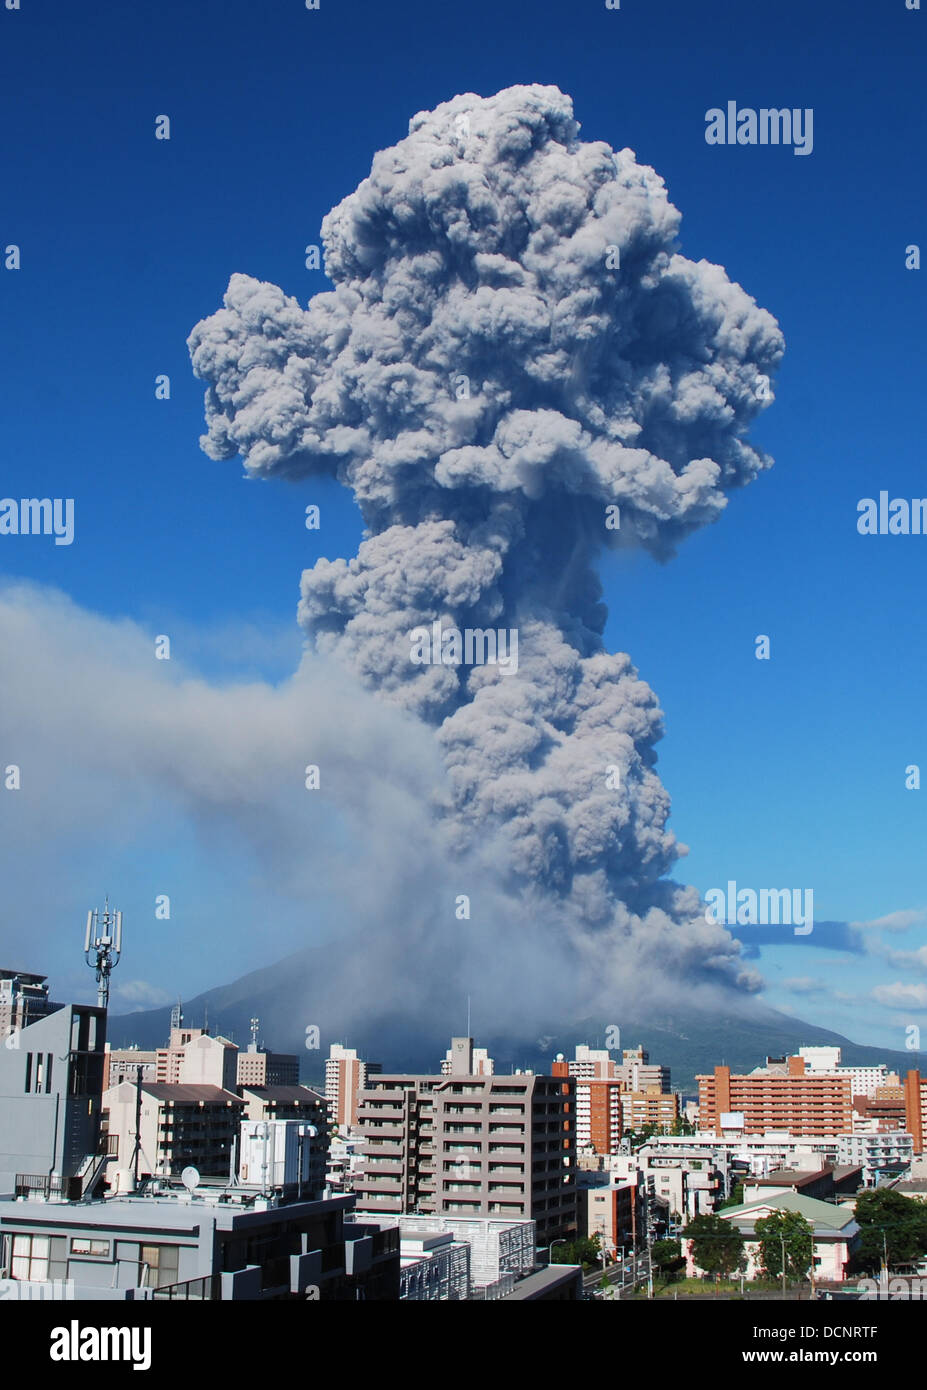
(786, 772)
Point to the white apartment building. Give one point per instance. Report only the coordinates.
(876, 1153)
(759, 1154)
(483, 1064)
(825, 1061)
(635, 1071)
(689, 1184)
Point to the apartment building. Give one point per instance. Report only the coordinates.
(157, 1131)
(915, 1102)
(880, 1155)
(792, 1100)
(208, 1061)
(51, 1087)
(345, 1077)
(483, 1064)
(170, 1058)
(598, 1105)
(651, 1108)
(638, 1073)
(471, 1145)
(687, 1183)
(635, 1071)
(285, 1103)
(590, 1064)
(864, 1080)
(23, 999)
(613, 1212)
(122, 1064)
(260, 1067)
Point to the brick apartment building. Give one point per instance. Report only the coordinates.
(789, 1098)
(915, 1104)
(471, 1145)
(345, 1077)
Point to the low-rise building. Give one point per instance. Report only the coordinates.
(881, 1155)
(215, 1244)
(500, 1251)
(157, 1131)
(434, 1267)
(825, 1183)
(835, 1237)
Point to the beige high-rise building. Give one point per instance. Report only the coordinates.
(169, 1058)
(345, 1077)
(635, 1071)
(260, 1067)
(474, 1145)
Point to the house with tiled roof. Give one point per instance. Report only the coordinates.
(836, 1232)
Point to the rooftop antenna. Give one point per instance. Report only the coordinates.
(206, 1019)
(255, 1024)
(103, 947)
(177, 1015)
(468, 1015)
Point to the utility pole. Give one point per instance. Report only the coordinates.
(136, 1152)
(782, 1241)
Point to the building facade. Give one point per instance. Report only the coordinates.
(470, 1145)
(51, 1088)
(156, 1131)
(345, 1077)
(797, 1102)
(259, 1067)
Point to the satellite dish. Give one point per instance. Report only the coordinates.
(190, 1177)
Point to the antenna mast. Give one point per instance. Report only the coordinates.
(103, 947)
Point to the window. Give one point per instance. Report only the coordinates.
(162, 1262)
(30, 1258)
(98, 1248)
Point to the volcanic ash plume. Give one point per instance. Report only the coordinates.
(513, 346)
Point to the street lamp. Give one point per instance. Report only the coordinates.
(561, 1240)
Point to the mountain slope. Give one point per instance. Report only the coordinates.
(291, 996)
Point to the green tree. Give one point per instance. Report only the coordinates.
(788, 1233)
(891, 1222)
(584, 1251)
(736, 1198)
(717, 1245)
(665, 1252)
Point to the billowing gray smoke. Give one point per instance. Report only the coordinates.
(513, 345)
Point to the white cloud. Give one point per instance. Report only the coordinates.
(894, 921)
(901, 996)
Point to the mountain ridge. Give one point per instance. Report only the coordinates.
(287, 998)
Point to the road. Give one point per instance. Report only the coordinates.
(626, 1278)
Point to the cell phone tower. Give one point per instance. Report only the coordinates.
(103, 947)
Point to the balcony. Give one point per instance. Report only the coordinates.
(48, 1186)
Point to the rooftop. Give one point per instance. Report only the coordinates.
(824, 1217)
